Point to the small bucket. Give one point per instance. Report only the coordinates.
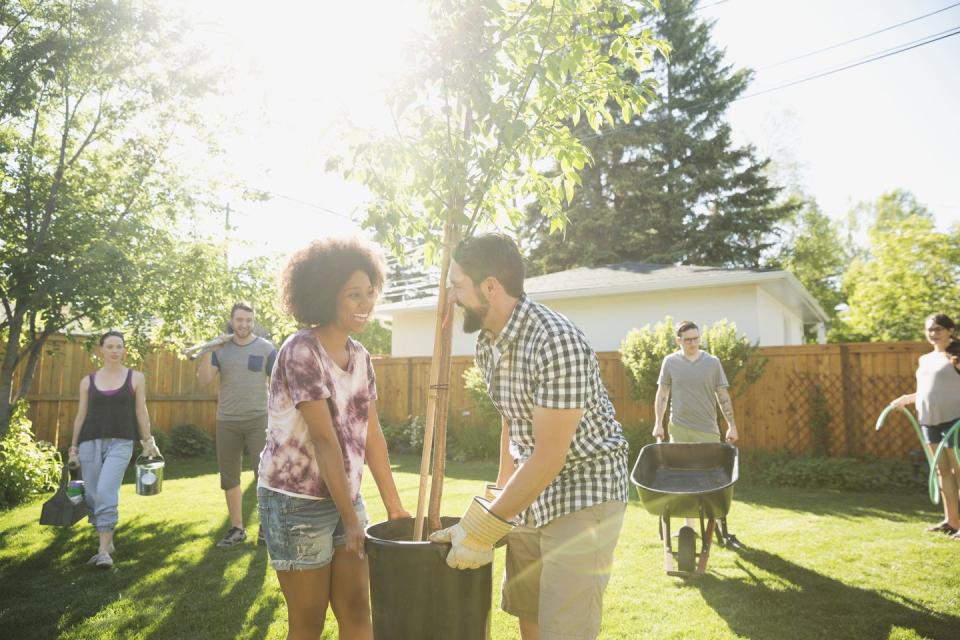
(149, 475)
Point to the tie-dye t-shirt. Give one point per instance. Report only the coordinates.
(304, 372)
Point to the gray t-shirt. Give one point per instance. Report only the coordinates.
(244, 371)
(938, 390)
(693, 388)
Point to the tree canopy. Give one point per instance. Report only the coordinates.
(483, 124)
(908, 271)
(668, 184)
(814, 250)
(95, 215)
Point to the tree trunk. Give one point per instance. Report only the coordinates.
(9, 367)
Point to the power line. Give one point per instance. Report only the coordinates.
(873, 58)
(866, 35)
(931, 39)
(305, 203)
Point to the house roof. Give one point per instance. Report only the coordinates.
(641, 277)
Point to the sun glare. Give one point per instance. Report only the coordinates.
(294, 74)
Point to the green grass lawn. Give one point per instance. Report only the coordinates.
(820, 564)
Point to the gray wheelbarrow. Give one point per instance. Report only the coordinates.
(687, 480)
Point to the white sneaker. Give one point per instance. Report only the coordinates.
(101, 561)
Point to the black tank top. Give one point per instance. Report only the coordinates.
(111, 414)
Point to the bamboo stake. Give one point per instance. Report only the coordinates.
(441, 408)
(437, 397)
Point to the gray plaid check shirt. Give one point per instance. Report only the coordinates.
(541, 359)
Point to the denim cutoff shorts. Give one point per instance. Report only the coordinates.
(934, 433)
(300, 532)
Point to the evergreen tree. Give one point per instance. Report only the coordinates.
(668, 185)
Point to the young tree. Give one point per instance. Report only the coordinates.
(92, 98)
(668, 185)
(813, 249)
(909, 270)
(483, 128)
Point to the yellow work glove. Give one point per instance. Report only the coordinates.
(472, 539)
(150, 449)
(491, 492)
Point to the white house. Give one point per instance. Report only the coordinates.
(771, 307)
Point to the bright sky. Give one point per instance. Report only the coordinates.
(851, 136)
(861, 132)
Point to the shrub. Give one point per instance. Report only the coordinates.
(643, 350)
(474, 442)
(638, 436)
(406, 436)
(780, 469)
(189, 441)
(843, 473)
(27, 466)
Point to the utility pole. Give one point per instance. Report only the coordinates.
(226, 237)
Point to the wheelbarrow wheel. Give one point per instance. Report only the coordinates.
(687, 549)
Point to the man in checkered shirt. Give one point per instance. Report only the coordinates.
(563, 457)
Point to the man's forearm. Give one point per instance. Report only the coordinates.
(660, 405)
(726, 407)
(525, 485)
(507, 467)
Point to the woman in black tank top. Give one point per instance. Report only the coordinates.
(112, 409)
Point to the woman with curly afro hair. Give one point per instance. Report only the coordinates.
(322, 426)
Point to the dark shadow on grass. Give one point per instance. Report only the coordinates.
(180, 468)
(197, 604)
(840, 504)
(812, 605)
(48, 592)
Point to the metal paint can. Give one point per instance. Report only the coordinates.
(149, 475)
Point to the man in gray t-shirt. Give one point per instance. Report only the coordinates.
(243, 363)
(697, 383)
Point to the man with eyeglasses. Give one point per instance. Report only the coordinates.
(697, 384)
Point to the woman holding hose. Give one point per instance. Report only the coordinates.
(938, 408)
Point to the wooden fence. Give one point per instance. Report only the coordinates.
(810, 398)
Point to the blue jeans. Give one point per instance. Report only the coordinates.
(102, 463)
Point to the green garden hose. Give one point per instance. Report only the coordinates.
(936, 456)
(933, 487)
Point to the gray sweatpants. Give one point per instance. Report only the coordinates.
(102, 463)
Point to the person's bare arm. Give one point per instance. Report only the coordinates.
(81, 412)
(378, 459)
(553, 431)
(507, 467)
(726, 408)
(659, 409)
(206, 372)
(143, 416)
(904, 400)
(329, 456)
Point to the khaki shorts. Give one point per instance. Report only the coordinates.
(232, 436)
(557, 574)
(683, 434)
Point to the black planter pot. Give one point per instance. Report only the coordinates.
(414, 595)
